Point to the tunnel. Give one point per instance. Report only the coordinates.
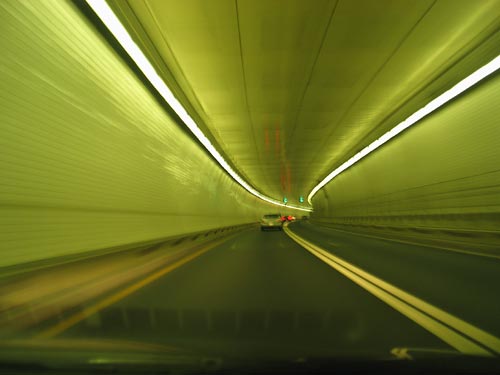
(149, 147)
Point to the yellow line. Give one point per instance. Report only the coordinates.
(78, 317)
(469, 252)
(429, 317)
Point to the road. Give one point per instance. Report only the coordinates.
(260, 293)
(464, 285)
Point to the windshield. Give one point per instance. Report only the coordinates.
(249, 180)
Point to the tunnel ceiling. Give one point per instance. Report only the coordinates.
(291, 89)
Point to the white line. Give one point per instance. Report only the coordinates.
(111, 21)
(435, 320)
(430, 107)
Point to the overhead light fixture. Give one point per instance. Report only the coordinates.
(430, 107)
(107, 16)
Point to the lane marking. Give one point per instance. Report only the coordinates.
(452, 330)
(88, 311)
(403, 353)
(468, 252)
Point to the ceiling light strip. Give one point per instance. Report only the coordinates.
(442, 99)
(107, 16)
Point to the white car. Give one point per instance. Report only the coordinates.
(271, 221)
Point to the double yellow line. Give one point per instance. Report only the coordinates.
(459, 334)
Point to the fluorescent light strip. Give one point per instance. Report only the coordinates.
(104, 12)
(442, 99)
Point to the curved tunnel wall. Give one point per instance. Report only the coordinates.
(89, 160)
(442, 173)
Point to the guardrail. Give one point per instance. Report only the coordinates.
(474, 240)
(144, 246)
(481, 223)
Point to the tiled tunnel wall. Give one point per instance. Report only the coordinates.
(442, 173)
(88, 158)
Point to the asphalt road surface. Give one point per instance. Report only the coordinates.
(465, 285)
(260, 293)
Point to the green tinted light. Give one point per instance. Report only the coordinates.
(301, 199)
(285, 200)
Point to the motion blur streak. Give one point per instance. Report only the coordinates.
(103, 191)
(117, 296)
